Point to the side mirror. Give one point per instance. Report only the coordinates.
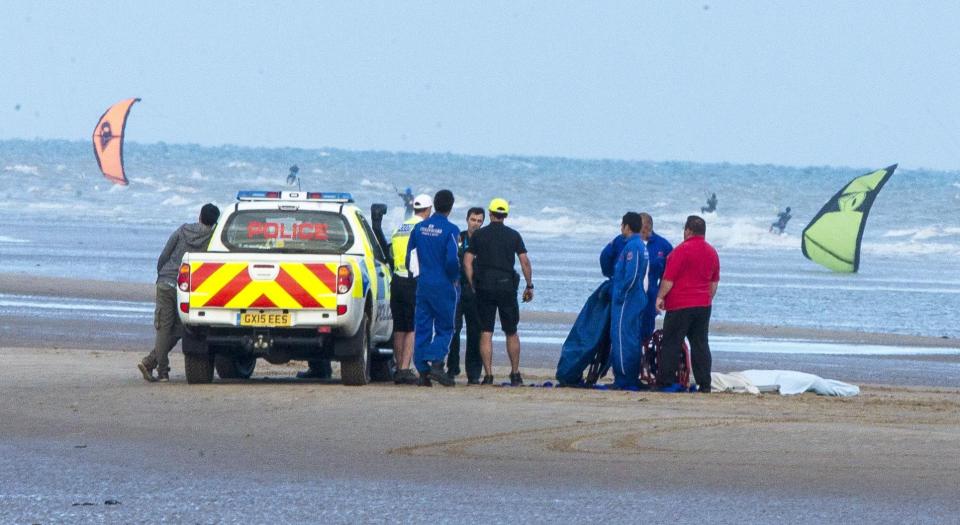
(377, 211)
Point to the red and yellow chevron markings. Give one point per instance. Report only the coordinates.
(229, 285)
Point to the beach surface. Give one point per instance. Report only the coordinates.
(80, 428)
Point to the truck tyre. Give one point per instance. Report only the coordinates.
(381, 369)
(230, 367)
(199, 368)
(355, 370)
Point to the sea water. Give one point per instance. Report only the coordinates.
(60, 217)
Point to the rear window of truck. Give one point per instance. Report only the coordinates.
(281, 231)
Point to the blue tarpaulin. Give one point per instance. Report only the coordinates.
(589, 334)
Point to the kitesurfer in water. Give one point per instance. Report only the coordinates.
(711, 204)
(781, 222)
(407, 197)
(293, 177)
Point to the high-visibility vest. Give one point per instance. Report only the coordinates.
(398, 244)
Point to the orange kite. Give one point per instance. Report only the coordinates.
(108, 140)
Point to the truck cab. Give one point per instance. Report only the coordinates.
(288, 275)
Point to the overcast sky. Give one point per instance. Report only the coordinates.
(862, 84)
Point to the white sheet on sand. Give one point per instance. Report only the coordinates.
(788, 382)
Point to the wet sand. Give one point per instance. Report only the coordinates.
(26, 284)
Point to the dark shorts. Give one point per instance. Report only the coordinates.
(403, 303)
(504, 301)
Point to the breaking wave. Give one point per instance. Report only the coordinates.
(23, 168)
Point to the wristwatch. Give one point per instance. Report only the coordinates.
(529, 287)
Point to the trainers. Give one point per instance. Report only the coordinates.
(147, 372)
(515, 379)
(487, 380)
(163, 377)
(424, 380)
(437, 374)
(405, 376)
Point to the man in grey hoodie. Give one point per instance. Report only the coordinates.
(166, 320)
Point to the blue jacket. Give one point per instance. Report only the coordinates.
(608, 257)
(435, 240)
(658, 249)
(630, 270)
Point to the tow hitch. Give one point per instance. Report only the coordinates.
(258, 344)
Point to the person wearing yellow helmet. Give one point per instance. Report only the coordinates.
(495, 248)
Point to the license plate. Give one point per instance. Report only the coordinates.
(264, 319)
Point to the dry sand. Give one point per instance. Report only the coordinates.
(888, 448)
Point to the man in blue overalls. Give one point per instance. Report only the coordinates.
(629, 298)
(438, 289)
(658, 249)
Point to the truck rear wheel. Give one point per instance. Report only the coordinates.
(199, 368)
(355, 370)
(230, 367)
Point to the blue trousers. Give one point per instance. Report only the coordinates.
(435, 315)
(625, 342)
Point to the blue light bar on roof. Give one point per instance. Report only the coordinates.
(249, 195)
(325, 196)
(330, 196)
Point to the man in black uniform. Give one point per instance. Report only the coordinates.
(467, 309)
(494, 248)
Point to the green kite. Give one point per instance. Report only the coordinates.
(833, 237)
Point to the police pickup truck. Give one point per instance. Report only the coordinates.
(287, 275)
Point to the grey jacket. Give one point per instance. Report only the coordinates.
(189, 237)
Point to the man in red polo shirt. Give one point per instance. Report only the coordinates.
(687, 288)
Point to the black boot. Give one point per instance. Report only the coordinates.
(437, 374)
(424, 380)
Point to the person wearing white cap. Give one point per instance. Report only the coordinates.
(403, 290)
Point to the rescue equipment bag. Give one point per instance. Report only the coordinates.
(588, 337)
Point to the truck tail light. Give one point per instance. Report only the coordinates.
(185, 307)
(183, 278)
(341, 309)
(344, 279)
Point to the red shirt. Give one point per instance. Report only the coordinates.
(692, 266)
